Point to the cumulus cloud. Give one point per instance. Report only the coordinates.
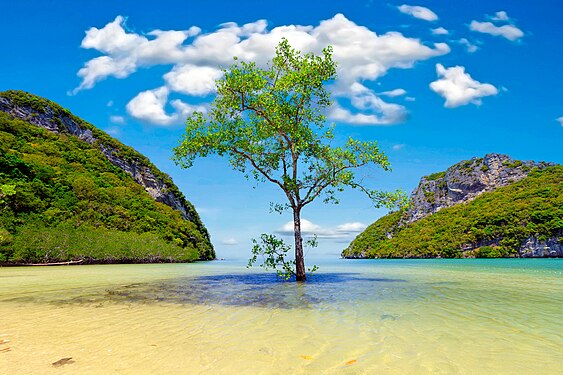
(148, 106)
(560, 120)
(418, 12)
(508, 31)
(101, 67)
(309, 229)
(458, 88)
(193, 80)
(440, 31)
(197, 58)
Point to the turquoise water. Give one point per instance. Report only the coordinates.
(497, 316)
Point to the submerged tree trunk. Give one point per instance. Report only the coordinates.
(299, 260)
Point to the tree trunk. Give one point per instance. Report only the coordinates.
(299, 260)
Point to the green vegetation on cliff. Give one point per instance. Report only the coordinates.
(494, 224)
(61, 199)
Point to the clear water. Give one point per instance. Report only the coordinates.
(352, 317)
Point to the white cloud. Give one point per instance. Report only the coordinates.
(354, 227)
(560, 120)
(398, 147)
(388, 114)
(110, 103)
(364, 55)
(440, 31)
(509, 32)
(197, 57)
(100, 68)
(111, 38)
(410, 99)
(500, 16)
(193, 80)
(229, 241)
(458, 88)
(393, 93)
(418, 12)
(117, 119)
(469, 47)
(149, 105)
(309, 229)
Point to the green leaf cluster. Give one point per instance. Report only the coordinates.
(61, 199)
(495, 224)
(273, 251)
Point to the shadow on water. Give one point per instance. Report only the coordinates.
(268, 279)
(249, 289)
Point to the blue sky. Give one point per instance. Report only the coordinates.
(435, 82)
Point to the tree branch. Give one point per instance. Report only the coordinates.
(266, 175)
(318, 186)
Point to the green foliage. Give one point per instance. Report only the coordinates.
(430, 196)
(54, 185)
(270, 123)
(512, 163)
(273, 251)
(435, 176)
(492, 252)
(37, 244)
(504, 218)
(6, 191)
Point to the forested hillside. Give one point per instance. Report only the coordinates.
(68, 191)
(523, 219)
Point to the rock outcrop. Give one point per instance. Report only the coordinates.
(465, 181)
(534, 247)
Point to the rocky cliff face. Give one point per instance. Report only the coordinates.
(451, 216)
(62, 121)
(465, 181)
(534, 247)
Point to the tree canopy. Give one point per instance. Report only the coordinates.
(271, 124)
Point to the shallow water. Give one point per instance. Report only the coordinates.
(352, 317)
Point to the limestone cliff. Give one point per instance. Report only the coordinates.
(465, 181)
(484, 207)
